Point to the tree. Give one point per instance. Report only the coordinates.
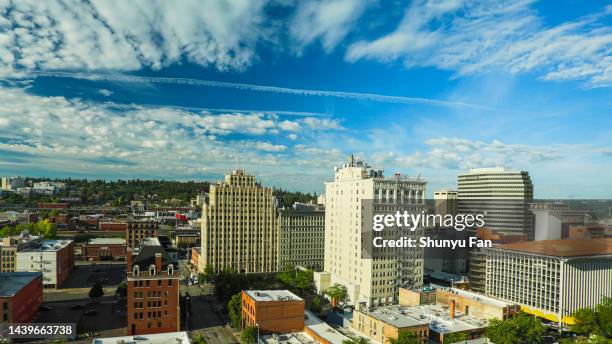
(249, 335)
(406, 337)
(316, 305)
(338, 294)
(356, 340)
(455, 337)
(234, 307)
(521, 329)
(207, 275)
(199, 339)
(122, 290)
(597, 321)
(96, 291)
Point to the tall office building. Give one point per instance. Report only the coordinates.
(239, 226)
(369, 280)
(302, 236)
(501, 195)
(445, 202)
(11, 183)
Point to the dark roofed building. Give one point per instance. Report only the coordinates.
(21, 293)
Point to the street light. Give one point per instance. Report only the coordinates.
(257, 324)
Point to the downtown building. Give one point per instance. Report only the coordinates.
(551, 278)
(302, 236)
(153, 290)
(502, 195)
(370, 281)
(239, 229)
(137, 231)
(53, 257)
(21, 294)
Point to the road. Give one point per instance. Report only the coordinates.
(202, 319)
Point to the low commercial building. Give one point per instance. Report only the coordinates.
(153, 290)
(428, 322)
(384, 323)
(111, 226)
(160, 338)
(21, 293)
(18, 217)
(105, 249)
(274, 311)
(9, 247)
(469, 302)
(553, 220)
(551, 278)
(184, 238)
(316, 331)
(302, 236)
(54, 258)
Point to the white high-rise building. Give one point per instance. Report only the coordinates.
(502, 195)
(11, 183)
(369, 281)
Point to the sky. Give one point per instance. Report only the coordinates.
(285, 89)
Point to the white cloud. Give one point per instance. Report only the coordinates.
(326, 20)
(472, 37)
(105, 92)
(126, 36)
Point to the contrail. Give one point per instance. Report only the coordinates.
(259, 88)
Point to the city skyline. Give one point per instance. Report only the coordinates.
(287, 91)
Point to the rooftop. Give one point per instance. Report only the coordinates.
(436, 316)
(287, 338)
(160, 338)
(476, 297)
(48, 246)
(106, 241)
(272, 295)
(12, 282)
(322, 329)
(562, 248)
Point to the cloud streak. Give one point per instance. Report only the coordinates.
(258, 88)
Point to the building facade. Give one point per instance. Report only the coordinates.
(137, 231)
(239, 226)
(369, 281)
(9, 247)
(153, 290)
(501, 195)
(104, 249)
(446, 202)
(54, 258)
(302, 236)
(11, 183)
(273, 311)
(21, 293)
(551, 278)
(553, 220)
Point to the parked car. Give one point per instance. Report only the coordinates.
(91, 312)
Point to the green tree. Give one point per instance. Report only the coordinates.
(249, 335)
(199, 339)
(122, 290)
(338, 294)
(316, 305)
(406, 337)
(597, 321)
(207, 275)
(234, 307)
(96, 291)
(521, 329)
(455, 337)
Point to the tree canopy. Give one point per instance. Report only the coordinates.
(406, 337)
(521, 329)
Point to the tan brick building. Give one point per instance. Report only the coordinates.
(239, 226)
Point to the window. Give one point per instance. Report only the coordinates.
(152, 270)
(136, 270)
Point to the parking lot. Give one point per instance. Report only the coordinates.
(84, 276)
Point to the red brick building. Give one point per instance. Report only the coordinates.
(153, 290)
(113, 226)
(21, 293)
(104, 249)
(275, 311)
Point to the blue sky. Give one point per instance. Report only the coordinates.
(287, 89)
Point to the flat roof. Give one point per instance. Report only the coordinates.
(159, 338)
(322, 329)
(272, 295)
(12, 282)
(48, 245)
(476, 296)
(437, 317)
(287, 338)
(106, 241)
(562, 248)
